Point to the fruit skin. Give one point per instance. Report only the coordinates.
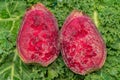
(37, 40)
(82, 47)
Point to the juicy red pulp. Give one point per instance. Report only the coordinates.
(82, 49)
(39, 37)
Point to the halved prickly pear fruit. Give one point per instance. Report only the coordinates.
(83, 48)
(37, 40)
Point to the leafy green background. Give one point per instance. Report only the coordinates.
(106, 15)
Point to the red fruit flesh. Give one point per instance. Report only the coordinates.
(38, 36)
(83, 48)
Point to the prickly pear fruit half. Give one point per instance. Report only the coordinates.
(37, 40)
(83, 48)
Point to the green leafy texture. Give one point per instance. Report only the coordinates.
(105, 14)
